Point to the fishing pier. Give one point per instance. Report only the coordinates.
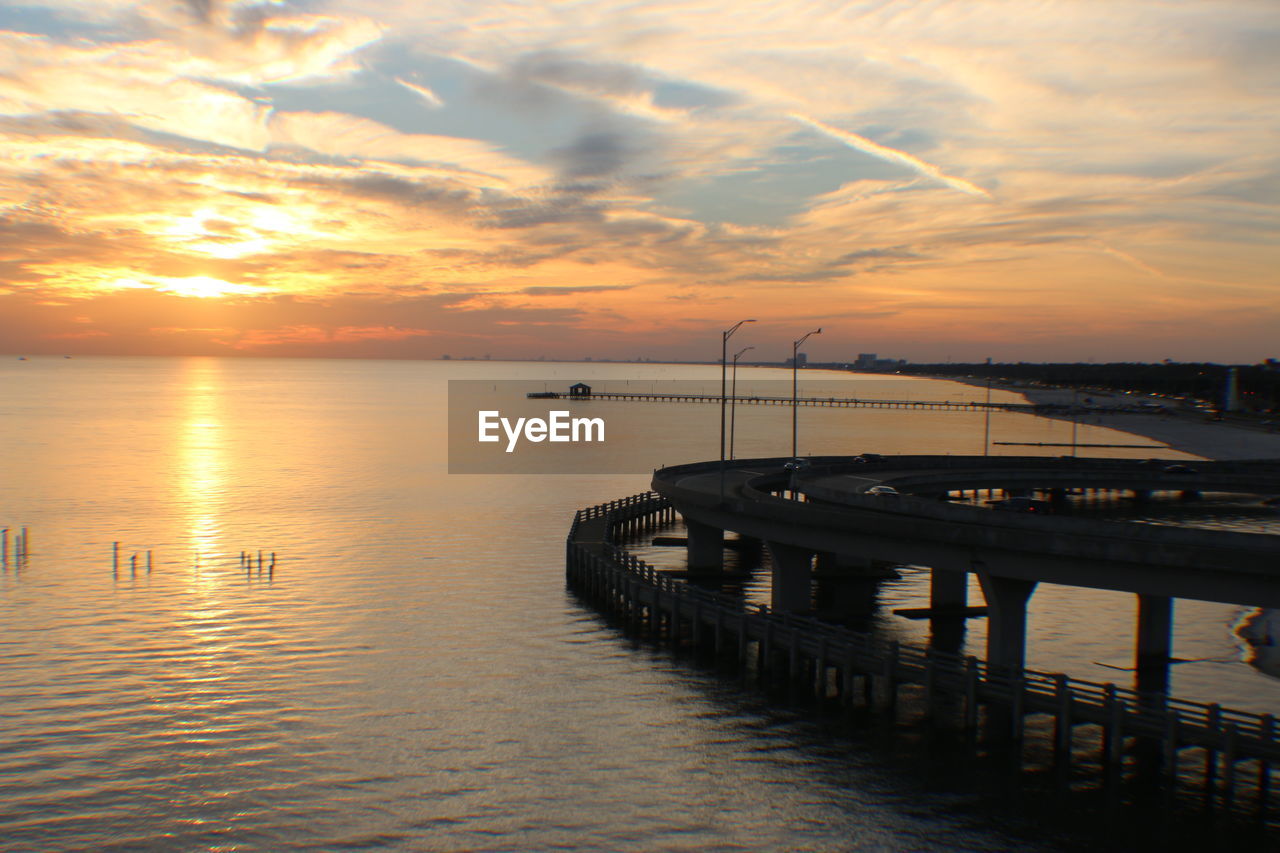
(840, 402)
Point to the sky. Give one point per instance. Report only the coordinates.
(1023, 181)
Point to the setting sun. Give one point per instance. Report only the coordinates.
(205, 287)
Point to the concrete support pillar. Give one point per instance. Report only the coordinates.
(1006, 619)
(948, 597)
(948, 589)
(1154, 643)
(750, 550)
(836, 563)
(706, 547)
(792, 572)
(845, 598)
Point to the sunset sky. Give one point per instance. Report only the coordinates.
(927, 180)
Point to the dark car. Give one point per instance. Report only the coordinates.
(1023, 505)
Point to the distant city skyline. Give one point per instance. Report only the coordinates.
(626, 180)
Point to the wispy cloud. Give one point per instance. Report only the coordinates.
(429, 97)
(1133, 262)
(893, 155)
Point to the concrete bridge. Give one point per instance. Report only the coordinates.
(830, 509)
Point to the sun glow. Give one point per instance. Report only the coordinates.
(205, 287)
(233, 234)
(195, 286)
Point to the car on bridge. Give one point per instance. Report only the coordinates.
(1022, 505)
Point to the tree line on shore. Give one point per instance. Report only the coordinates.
(1258, 386)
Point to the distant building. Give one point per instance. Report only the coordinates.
(580, 389)
(1231, 394)
(869, 361)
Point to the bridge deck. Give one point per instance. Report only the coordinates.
(841, 516)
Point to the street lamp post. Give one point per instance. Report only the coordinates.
(986, 419)
(1075, 417)
(795, 384)
(724, 358)
(733, 394)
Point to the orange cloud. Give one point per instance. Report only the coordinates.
(376, 333)
(311, 335)
(66, 336)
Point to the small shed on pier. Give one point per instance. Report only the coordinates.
(580, 389)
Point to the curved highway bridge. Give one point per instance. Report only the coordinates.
(837, 507)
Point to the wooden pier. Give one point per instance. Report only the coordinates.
(1174, 748)
(849, 403)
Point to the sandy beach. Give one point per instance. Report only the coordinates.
(1189, 432)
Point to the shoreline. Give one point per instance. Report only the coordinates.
(1185, 432)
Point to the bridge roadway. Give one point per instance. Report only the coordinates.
(831, 513)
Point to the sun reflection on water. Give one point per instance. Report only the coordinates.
(202, 481)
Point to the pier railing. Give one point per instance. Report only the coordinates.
(956, 690)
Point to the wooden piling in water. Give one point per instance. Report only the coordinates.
(1062, 727)
(970, 695)
(1264, 768)
(1113, 748)
(1169, 760)
(1228, 768)
(890, 700)
(1211, 757)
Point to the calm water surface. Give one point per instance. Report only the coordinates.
(413, 674)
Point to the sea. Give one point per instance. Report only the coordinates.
(257, 612)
